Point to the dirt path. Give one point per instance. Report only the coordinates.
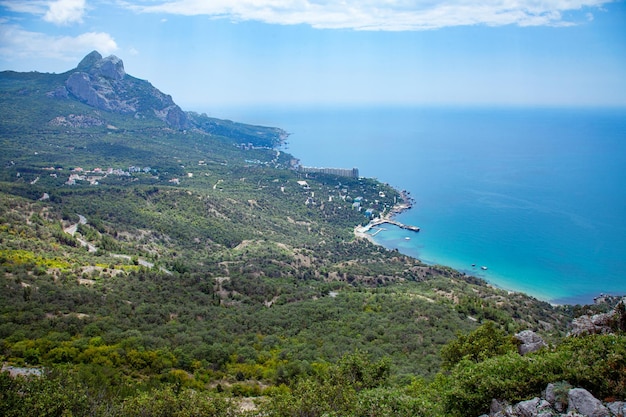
(72, 229)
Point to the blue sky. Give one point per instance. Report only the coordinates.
(212, 54)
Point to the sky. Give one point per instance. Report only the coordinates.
(215, 54)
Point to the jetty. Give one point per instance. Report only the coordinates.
(362, 230)
(378, 222)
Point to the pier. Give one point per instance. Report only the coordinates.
(377, 232)
(377, 222)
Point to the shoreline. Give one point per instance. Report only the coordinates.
(362, 232)
(387, 217)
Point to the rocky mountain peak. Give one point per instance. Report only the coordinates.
(89, 61)
(102, 83)
(110, 67)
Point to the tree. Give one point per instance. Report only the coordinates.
(485, 342)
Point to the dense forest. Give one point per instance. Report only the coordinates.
(154, 271)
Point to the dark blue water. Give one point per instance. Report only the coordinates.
(536, 195)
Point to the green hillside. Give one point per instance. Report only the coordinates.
(147, 266)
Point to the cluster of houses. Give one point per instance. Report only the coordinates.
(357, 203)
(97, 174)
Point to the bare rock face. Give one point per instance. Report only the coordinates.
(86, 90)
(529, 342)
(103, 83)
(89, 61)
(97, 83)
(111, 67)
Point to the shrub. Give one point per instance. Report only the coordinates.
(485, 342)
(596, 363)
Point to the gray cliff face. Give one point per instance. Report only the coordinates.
(103, 83)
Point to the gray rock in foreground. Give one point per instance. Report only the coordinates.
(578, 402)
(581, 401)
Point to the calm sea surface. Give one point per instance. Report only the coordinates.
(538, 196)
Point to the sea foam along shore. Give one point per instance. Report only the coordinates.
(405, 203)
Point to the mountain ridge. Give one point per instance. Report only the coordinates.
(102, 83)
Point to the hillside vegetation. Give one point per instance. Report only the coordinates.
(150, 269)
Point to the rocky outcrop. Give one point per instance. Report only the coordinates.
(96, 93)
(556, 402)
(110, 67)
(599, 323)
(529, 342)
(103, 83)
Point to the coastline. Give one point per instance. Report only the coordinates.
(406, 203)
(524, 238)
(362, 232)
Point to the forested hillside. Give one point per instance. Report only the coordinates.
(152, 269)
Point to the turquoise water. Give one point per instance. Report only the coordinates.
(536, 195)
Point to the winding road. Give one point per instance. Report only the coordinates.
(72, 229)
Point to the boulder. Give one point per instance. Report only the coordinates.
(581, 401)
(555, 396)
(529, 342)
(498, 408)
(527, 408)
(617, 408)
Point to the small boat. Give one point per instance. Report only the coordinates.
(473, 265)
(407, 238)
(484, 268)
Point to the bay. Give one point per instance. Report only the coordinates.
(536, 195)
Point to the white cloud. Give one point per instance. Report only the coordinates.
(59, 12)
(63, 12)
(17, 43)
(38, 7)
(390, 15)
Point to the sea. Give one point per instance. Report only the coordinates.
(532, 200)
